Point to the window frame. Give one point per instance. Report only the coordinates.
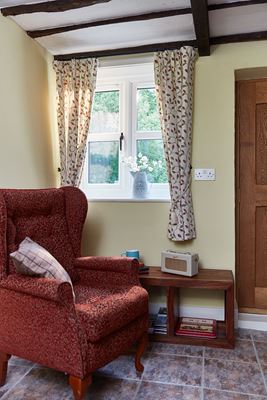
(128, 79)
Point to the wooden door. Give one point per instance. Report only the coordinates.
(251, 195)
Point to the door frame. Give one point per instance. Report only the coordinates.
(237, 190)
(237, 198)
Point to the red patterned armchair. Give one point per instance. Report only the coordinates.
(39, 320)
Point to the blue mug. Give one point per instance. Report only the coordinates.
(131, 253)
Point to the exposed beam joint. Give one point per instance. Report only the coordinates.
(201, 23)
(131, 18)
(50, 6)
(148, 48)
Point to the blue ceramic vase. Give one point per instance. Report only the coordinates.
(140, 185)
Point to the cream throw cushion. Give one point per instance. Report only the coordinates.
(33, 259)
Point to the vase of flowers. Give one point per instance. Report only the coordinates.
(139, 168)
(140, 185)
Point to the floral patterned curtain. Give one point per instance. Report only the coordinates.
(76, 80)
(174, 76)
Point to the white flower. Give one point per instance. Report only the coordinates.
(144, 159)
(141, 163)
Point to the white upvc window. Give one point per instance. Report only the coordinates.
(124, 122)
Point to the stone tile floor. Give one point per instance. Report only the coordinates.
(172, 372)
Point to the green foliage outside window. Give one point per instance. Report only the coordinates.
(147, 111)
(106, 101)
(148, 121)
(103, 162)
(153, 149)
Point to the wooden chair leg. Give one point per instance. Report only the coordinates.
(142, 343)
(79, 386)
(3, 367)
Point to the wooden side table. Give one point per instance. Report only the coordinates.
(210, 279)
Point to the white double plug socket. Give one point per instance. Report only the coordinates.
(204, 174)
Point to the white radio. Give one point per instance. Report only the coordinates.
(179, 263)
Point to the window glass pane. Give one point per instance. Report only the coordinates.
(147, 110)
(103, 165)
(153, 149)
(105, 113)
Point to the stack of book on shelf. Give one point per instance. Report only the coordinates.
(152, 318)
(196, 327)
(143, 269)
(158, 322)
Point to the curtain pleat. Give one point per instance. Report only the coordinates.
(76, 81)
(174, 77)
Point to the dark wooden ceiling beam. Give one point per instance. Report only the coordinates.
(221, 6)
(239, 37)
(131, 18)
(65, 5)
(148, 48)
(50, 6)
(201, 23)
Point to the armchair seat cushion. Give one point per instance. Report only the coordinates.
(103, 310)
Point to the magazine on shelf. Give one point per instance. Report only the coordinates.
(158, 322)
(196, 327)
(162, 311)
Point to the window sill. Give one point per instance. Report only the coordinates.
(130, 200)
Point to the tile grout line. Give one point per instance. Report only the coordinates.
(137, 389)
(203, 374)
(176, 355)
(259, 363)
(141, 380)
(15, 384)
(171, 384)
(234, 392)
(116, 377)
(208, 357)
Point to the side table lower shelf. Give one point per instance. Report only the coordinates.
(220, 342)
(210, 279)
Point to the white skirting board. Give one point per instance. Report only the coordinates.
(242, 320)
(252, 321)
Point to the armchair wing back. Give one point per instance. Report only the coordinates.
(52, 217)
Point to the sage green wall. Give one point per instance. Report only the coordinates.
(25, 133)
(114, 226)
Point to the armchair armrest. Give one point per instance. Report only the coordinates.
(115, 270)
(112, 264)
(48, 289)
(39, 323)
